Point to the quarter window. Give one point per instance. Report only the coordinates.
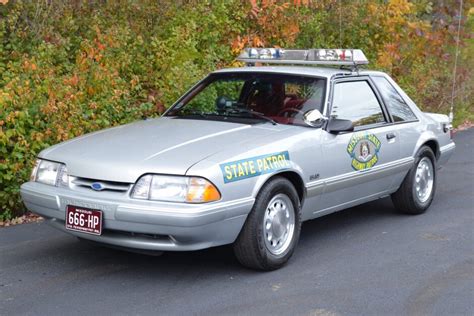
(396, 105)
(357, 102)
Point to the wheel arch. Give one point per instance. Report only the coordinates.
(433, 144)
(428, 139)
(291, 175)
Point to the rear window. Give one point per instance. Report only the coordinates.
(396, 105)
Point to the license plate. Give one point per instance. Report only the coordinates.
(84, 220)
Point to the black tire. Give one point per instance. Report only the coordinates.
(405, 198)
(250, 247)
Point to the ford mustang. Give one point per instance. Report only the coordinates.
(244, 157)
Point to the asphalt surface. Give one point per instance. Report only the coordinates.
(368, 260)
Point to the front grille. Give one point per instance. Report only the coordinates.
(105, 185)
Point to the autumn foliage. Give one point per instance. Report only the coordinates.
(69, 67)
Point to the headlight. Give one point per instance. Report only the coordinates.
(48, 172)
(175, 189)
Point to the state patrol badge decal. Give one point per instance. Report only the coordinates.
(364, 150)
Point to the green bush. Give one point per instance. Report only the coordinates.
(73, 67)
(76, 72)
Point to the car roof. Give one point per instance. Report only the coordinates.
(326, 72)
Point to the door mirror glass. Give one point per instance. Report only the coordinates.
(314, 118)
(336, 126)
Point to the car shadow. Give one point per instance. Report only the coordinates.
(349, 219)
(221, 259)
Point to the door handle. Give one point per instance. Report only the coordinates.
(391, 136)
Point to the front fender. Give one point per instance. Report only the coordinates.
(261, 180)
(246, 186)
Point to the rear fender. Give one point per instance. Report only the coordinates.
(427, 136)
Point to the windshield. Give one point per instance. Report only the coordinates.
(252, 98)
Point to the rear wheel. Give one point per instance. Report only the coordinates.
(417, 190)
(272, 229)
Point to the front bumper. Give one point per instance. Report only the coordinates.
(145, 225)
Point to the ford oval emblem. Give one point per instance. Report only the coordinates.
(97, 186)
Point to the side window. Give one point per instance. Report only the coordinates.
(357, 102)
(398, 108)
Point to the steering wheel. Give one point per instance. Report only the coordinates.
(288, 111)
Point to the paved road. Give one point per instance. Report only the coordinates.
(367, 260)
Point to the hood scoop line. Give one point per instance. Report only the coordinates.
(196, 140)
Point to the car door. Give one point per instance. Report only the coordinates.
(357, 165)
(404, 120)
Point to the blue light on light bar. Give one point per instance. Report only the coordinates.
(352, 57)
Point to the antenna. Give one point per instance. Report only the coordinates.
(340, 24)
(451, 110)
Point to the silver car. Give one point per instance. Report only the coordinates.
(244, 157)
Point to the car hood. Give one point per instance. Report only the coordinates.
(163, 145)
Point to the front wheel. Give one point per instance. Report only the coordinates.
(272, 229)
(417, 190)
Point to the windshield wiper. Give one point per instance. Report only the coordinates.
(196, 113)
(256, 114)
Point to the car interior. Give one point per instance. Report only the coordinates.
(284, 102)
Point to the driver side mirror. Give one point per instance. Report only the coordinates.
(336, 126)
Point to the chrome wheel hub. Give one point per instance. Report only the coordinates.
(279, 224)
(424, 180)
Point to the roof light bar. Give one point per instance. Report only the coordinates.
(352, 57)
